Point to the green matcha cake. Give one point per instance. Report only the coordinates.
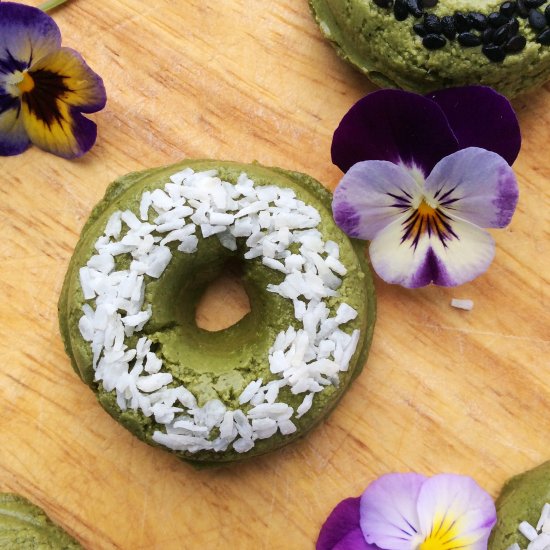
(424, 45)
(144, 259)
(24, 526)
(523, 512)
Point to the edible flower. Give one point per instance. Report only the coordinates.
(412, 512)
(423, 176)
(44, 88)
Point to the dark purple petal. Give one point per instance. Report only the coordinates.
(13, 137)
(26, 35)
(354, 540)
(481, 117)
(341, 530)
(393, 125)
(85, 132)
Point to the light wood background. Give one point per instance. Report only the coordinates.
(444, 390)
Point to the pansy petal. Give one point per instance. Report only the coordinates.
(370, 196)
(67, 134)
(13, 137)
(451, 258)
(354, 540)
(454, 511)
(77, 84)
(458, 259)
(341, 530)
(388, 511)
(26, 35)
(481, 117)
(399, 262)
(476, 185)
(396, 126)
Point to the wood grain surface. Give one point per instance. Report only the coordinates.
(444, 390)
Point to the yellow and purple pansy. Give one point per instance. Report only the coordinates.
(412, 512)
(423, 176)
(44, 88)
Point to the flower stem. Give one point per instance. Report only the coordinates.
(50, 4)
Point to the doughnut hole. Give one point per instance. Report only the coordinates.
(187, 347)
(224, 302)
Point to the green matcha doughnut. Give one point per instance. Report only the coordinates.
(151, 247)
(522, 500)
(24, 526)
(400, 44)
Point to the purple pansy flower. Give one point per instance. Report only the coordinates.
(423, 175)
(44, 88)
(412, 512)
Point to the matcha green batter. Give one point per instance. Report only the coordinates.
(521, 499)
(216, 368)
(435, 49)
(24, 526)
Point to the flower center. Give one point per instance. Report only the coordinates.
(26, 84)
(426, 219)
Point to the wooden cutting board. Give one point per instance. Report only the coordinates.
(444, 390)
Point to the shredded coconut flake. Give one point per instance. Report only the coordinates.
(467, 305)
(538, 537)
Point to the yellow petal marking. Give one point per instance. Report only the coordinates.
(57, 136)
(446, 535)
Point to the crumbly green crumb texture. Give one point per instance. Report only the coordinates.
(392, 54)
(24, 526)
(521, 499)
(217, 365)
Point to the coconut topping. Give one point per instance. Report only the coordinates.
(467, 305)
(539, 536)
(306, 359)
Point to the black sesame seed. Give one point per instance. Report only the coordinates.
(462, 24)
(448, 26)
(478, 21)
(487, 36)
(547, 13)
(508, 8)
(544, 38)
(384, 3)
(501, 35)
(537, 20)
(433, 41)
(534, 3)
(432, 23)
(522, 9)
(419, 29)
(414, 7)
(515, 44)
(400, 10)
(494, 53)
(497, 19)
(430, 3)
(513, 27)
(469, 39)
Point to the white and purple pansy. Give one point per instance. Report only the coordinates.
(423, 176)
(412, 512)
